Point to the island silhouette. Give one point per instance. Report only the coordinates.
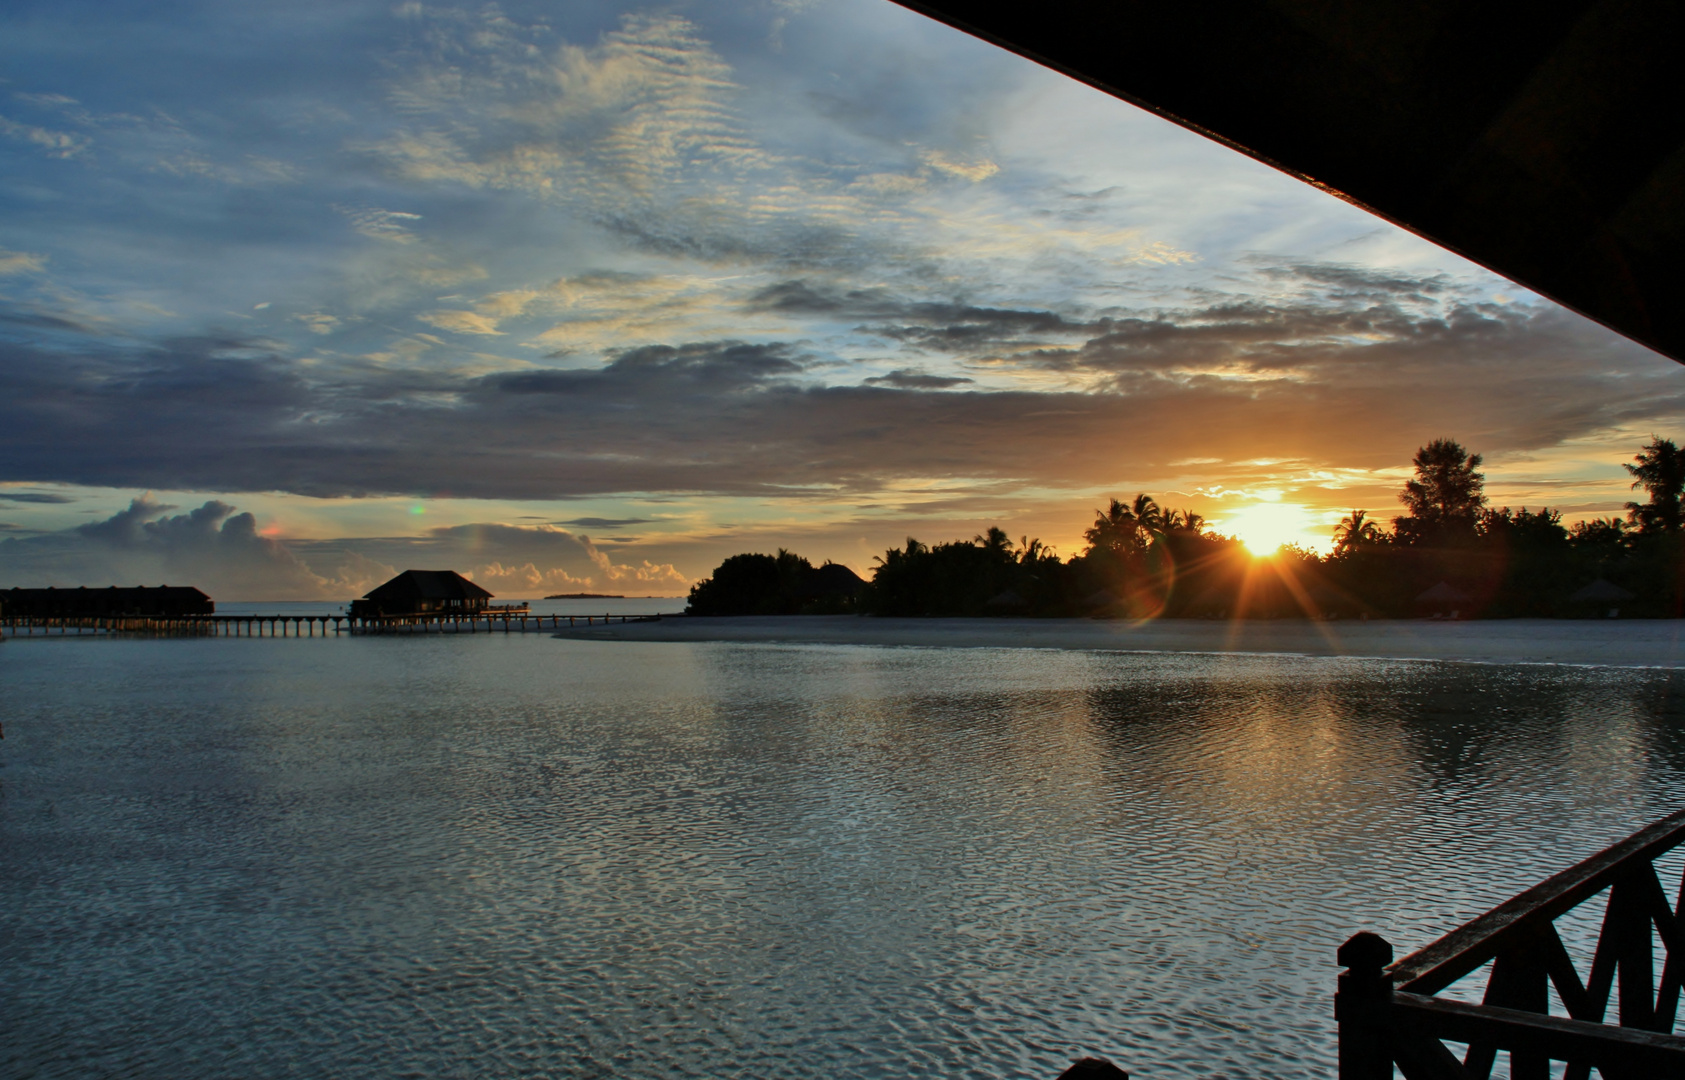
(1449, 555)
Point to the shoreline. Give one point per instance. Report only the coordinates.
(1635, 643)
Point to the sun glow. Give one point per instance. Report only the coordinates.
(1266, 528)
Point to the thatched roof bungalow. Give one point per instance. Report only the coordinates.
(1443, 599)
(1601, 598)
(423, 592)
(164, 601)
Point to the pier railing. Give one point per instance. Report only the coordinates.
(1389, 1013)
(304, 625)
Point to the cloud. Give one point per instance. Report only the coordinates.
(220, 549)
(975, 171)
(21, 262)
(1314, 378)
(461, 322)
(351, 574)
(213, 546)
(318, 322)
(646, 576)
(646, 105)
(35, 497)
(604, 523)
(917, 380)
(526, 580)
(942, 326)
(57, 144)
(514, 559)
(253, 169)
(377, 224)
(647, 133)
(38, 317)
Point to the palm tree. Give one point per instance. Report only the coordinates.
(1185, 520)
(1031, 550)
(1147, 513)
(996, 543)
(1115, 529)
(1354, 529)
(894, 556)
(1661, 473)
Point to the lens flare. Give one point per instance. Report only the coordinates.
(1265, 528)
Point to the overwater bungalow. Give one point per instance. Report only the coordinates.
(423, 592)
(164, 601)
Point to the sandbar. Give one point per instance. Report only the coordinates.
(1612, 642)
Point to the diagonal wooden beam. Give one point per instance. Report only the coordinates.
(1420, 1056)
(1573, 993)
(1471, 945)
(1612, 1050)
(1673, 971)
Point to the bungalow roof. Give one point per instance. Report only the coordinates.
(428, 585)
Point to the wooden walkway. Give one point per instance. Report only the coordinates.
(302, 625)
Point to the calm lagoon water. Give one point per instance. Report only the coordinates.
(519, 856)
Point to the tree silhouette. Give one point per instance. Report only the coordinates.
(1116, 529)
(1184, 521)
(1355, 529)
(1445, 497)
(1606, 536)
(1660, 471)
(1031, 550)
(782, 584)
(995, 543)
(1146, 512)
(748, 584)
(1143, 561)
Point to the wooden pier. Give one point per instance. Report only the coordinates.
(497, 622)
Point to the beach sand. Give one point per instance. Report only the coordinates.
(1625, 643)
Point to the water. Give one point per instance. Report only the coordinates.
(520, 856)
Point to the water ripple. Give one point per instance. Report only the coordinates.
(527, 857)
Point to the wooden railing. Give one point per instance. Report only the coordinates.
(1389, 1013)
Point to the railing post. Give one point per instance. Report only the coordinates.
(1360, 1008)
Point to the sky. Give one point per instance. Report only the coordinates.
(588, 296)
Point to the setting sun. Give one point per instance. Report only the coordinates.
(1267, 527)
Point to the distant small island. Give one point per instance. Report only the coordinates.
(585, 596)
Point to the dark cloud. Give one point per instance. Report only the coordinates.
(604, 523)
(904, 379)
(702, 367)
(35, 497)
(801, 297)
(39, 320)
(1333, 326)
(1313, 379)
(949, 327)
(1354, 282)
